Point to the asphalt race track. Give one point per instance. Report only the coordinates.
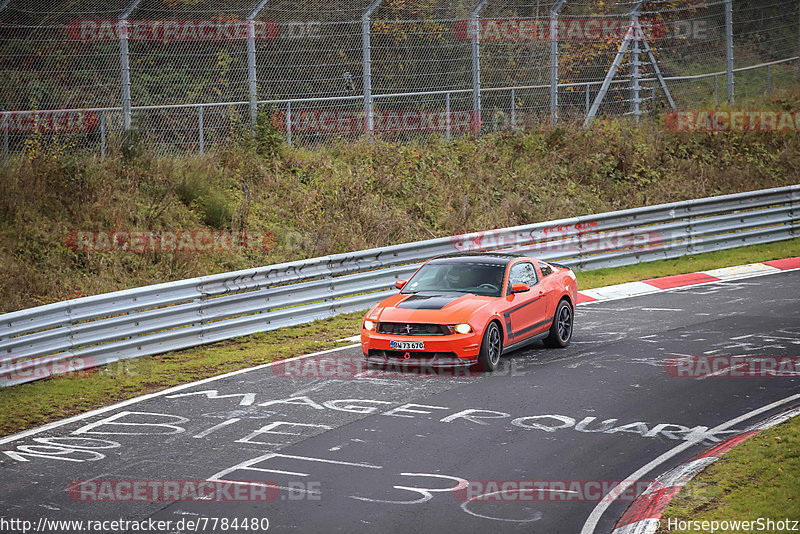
(375, 453)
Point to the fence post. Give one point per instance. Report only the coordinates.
(768, 82)
(716, 92)
(513, 109)
(554, 60)
(252, 79)
(588, 99)
(475, 29)
(612, 71)
(200, 130)
(5, 144)
(366, 58)
(288, 122)
(126, 74)
(102, 134)
(447, 121)
(124, 63)
(653, 98)
(635, 88)
(729, 48)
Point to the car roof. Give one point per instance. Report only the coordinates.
(496, 258)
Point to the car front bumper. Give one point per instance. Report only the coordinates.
(453, 350)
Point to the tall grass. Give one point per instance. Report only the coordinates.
(347, 197)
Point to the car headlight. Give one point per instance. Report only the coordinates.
(369, 325)
(463, 328)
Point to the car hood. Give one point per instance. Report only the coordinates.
(439, 308)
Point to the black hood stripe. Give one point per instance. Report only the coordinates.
(427, 302)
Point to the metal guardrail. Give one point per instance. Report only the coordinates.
(86, 332)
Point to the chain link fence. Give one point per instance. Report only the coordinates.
(185, 75)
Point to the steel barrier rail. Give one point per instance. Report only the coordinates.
(82, 333)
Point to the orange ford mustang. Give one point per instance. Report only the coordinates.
(470, 308)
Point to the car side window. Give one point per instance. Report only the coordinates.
(522, 273)
(546, 269)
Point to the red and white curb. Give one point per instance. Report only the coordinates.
(643, 516)
(655, 285)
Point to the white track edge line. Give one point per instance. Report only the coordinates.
(598, 511)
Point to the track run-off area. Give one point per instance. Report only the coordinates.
(318, 444)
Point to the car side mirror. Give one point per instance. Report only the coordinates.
(399, 284)
(520, 288)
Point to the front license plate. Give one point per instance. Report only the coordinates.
(407, 345)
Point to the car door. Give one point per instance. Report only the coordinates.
(549, 285)
(524, 312)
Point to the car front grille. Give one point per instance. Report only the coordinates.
(413, 355)
(413, 329)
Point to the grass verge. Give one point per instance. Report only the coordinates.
(36, 403)
(756, 479)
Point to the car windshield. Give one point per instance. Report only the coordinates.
(463, 277)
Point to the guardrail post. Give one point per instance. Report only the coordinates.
(729, 49)
(554, 60)
(475, 38)
(102, 135)
(288, 122)
(252, 79)
(366, 58)
(200, 130)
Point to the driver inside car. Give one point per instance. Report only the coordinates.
(459, 279)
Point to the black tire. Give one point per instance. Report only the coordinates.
(561, 329)
(491, 348)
